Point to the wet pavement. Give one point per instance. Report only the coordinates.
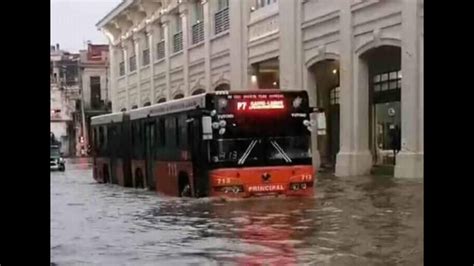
(350, 221)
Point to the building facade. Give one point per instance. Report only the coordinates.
(361, 62)
(64, 92)
(95, 97)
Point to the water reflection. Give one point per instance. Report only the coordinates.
(361, 221)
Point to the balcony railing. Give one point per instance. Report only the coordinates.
(198, 32)
(221, 19)
(160, 50)
(178, 42)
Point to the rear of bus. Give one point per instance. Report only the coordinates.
(261, 144)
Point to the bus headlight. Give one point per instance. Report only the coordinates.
(295, 186)
(221, 131)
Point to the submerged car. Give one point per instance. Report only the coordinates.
(56, 161)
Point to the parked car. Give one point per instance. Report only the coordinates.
(56, 161)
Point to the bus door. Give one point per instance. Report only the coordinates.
(150, 140)
(198, 157)
(126, 150)
(113, 152)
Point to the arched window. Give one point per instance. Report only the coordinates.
(147, 104)
(223, 87)
(199, 91)
(161, 100)
(178, 96)
(123, 110)
(134, 106)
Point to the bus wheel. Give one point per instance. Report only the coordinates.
(105, 173)
(184, 187)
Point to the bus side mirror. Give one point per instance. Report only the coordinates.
(206, 127)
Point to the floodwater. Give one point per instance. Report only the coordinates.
(350, 221)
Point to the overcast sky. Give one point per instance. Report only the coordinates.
(73, 22)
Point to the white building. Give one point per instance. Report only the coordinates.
(64, 92)
(350, 55)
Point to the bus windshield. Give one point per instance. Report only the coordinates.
(263, 151)
(273, 137)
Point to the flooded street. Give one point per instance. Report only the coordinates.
(350, 221)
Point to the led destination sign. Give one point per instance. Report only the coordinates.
(260, 105)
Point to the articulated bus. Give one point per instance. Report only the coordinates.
(110, 149)
(226, 143)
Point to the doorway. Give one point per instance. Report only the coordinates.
(150, 140)
(326, 77)
(385, 79)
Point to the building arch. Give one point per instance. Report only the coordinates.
(222, 87)
(221, 84)
(199, 90)
(161, 99)
(367, 46)
(178, 95)
(322, 84)
(311, 62)
(146, 102)
(379, 78)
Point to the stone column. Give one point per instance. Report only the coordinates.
(183, 14)
(288, 44)
(354, 157)
(207, 44)
(113, 68)
(409, 161)
(150, 31)
(309, 84)
(136, 45)
(165, 20)
(238, 43)
(127, 71)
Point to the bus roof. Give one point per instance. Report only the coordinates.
(173, 106)
(192, 102)
(107, 118)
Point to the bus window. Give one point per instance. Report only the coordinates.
(177, 130)
(169, 129)
(183, 131)
(153, 135)
(105, 140)
(101, 137)
(94, 138)
(133, 134)
(161, 132)
(139, 134)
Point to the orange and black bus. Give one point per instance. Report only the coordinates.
(231, 143)
(110, 149)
